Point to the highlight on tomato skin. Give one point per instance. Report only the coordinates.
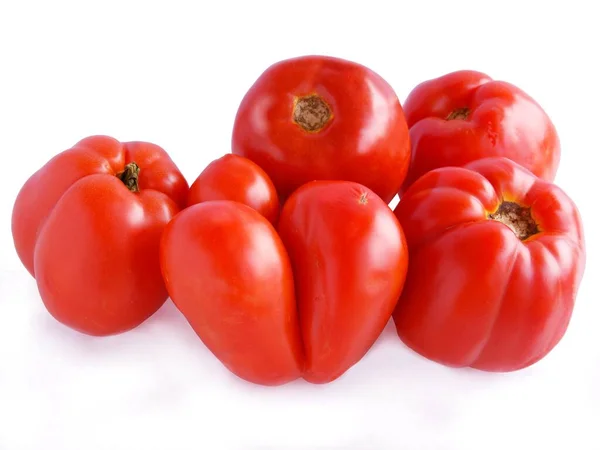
(497, 257)
(465, 115)
(233, 177)
(87, 226)
(324, 118)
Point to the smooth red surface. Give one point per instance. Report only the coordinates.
(475, 294)
(503, 121)
(366, 141)
(350, 260)
(233, 177)
(92, 244)
(227, 271)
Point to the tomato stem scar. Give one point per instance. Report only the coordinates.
(459, 114)
(311, 113)
(517, 218)
(130, 176)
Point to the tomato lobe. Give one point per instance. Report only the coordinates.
(227, 271)
(349, 260)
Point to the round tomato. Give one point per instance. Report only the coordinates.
(88, 224)
(464, 116)
(227, 271)
(497, 256)
(349, 259)
(232, 177)
(323, 118)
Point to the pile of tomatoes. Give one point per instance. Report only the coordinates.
(285, 256)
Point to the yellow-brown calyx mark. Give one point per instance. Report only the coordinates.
(311, 113)
(363, 200)
(517, 218)
(459, 114)
(130, 176)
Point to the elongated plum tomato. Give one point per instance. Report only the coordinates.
(465, 115)
(323, 118)
(88, 226)
(349, 259)
(233, 177)
(497, 256)
(227, 271)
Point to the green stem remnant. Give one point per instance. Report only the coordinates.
(130, 176)
(517, 218)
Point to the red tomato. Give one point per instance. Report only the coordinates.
(88, 226)
(228, 273)
(464, 116)
(497, 256)
(322, 118)
(232, 177)
(349, 259)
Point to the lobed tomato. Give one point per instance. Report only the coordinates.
(497, 256)
(308, 302)
(322, 118)
(88, 224)
(228, 273)
(464, 116)
(232, 177)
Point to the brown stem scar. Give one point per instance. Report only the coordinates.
(130, 176)
(363, 199)
(459, 114)
(311, 113)
(517, 218)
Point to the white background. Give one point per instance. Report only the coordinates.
(173, 73)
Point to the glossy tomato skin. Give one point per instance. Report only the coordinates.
(465, 115)
(228, 272)
(365, 138)
(477, 295)
(91, 243)
(350, 259)
(96, 258)
(233, 177)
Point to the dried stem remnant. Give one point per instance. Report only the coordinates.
(311, 113)
(517, 218)
(458, 114)
(129, 176)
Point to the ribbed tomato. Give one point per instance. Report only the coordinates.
(497, 255)
(465, 115)
(88, 226)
